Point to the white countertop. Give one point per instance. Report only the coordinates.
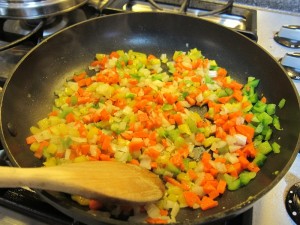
(268, 24)
(270, 209)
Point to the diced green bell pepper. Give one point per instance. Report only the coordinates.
(259, 159)
(264, 147)
(246, 176)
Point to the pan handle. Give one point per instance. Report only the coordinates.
(186, 3)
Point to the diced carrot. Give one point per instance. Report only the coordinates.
(213, 194)
(151, 57)
(222, 72)
(114, 54)
(208, 187)
(156, 221)
(221, 186)
(134, 161)
(135, 146)
(153, 153)
(196, 79)
(249, 117)
(95, 204)
(191, 199)
(79, 77)
(43, 144)
(140, 134)
(263, 99)
(244, 162)
(70, 118)
(104, 157)
(208, 203)
(225, 99)
(39, 153)
(249, 150)
(246, 131)
(127, 135)
(170, 98)
(206, 157)
(220, 159)
(30, 139)
(178, 118)
(245, 104)
(192, 174)
(106, 143)
(176, 183)
(85, 148)
(53, 113)
(190, 100)
(154, 165)
(104, 115)
(200, 137)
(163, 212)
(252, 167)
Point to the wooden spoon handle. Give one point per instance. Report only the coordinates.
(96, 180)
(40, 178)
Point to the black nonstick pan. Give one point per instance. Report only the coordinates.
(28, 94)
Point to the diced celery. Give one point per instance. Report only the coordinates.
(233, 183)
(162, 132)
(51, 148)
(167, 107)
(34, 130)
(179, 141)
(65, 112)
(183, 176)
(50, 162)
(173, 169)
(34, 146)
(208, 141)
(192, 125)
(43, 123)
(192, 164)
(184, 129)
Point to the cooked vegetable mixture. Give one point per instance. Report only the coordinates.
(183, 118)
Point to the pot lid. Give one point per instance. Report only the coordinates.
(36, 9)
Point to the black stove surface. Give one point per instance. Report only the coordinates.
(29, 203)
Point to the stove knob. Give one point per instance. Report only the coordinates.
(291, 63)
(292, 202)
(288, 36)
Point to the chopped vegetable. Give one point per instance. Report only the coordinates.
(134, 111)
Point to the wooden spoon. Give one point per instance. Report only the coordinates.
(115, 181)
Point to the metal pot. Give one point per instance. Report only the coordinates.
(28, 94)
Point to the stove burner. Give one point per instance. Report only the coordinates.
(34, 9)
(292, 202)
(291, 63)
(288, 36)
(22, 30)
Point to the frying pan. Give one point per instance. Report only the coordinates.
(28, 93)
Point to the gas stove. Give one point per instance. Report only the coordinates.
(27, 28)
